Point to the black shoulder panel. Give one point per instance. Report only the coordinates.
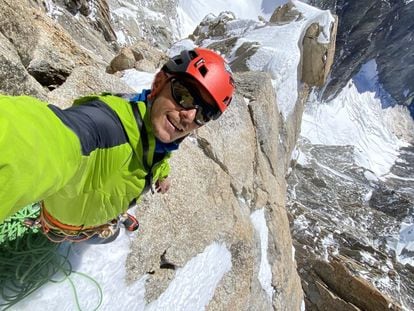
(95, 123)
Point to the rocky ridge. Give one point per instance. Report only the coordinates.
(342, 220)
(380, 30)
(68, 44)
(50, 59)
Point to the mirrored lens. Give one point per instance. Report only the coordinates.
(189, 99)
(182, 95)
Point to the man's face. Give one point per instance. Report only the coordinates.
(169, 120)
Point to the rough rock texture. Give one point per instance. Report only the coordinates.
(285, 14)
(47, 52)
(317, 58)
(212, 26)
(217, 27)
(380, 30)
(355, 290)
(76, 6)
(334, 224)
(125, 59)
(214, 192)
(221, 174)
(336, 288)
(136, 24)
(84, 81)
(98, 11)
(140, 56)
(14, 78)
(83, 28)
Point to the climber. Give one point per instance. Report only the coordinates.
(89, 163)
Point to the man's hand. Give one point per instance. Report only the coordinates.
(162, 186)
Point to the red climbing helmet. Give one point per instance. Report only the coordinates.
(209, 69)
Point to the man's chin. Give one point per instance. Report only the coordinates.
(166, 138)
(167, 135)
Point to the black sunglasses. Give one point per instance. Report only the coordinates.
(188, 98)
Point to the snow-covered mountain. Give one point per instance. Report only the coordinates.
(351, 193)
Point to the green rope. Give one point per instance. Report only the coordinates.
(28, 260)
(13, 227)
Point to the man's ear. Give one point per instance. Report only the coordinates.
(159, 81)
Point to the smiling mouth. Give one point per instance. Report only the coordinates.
(174, 126)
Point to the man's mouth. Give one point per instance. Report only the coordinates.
(177, 127)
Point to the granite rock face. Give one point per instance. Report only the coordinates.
(380, 30)
(222, 174)
(46, 51)
(341, 226)
(15, 79)
(141, 56)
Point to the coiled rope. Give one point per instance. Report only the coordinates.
(28, 260)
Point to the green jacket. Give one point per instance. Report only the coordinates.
(87, 163)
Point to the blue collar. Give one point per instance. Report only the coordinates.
(161, 147)
(141, 97)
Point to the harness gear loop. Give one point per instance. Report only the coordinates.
(58, 232)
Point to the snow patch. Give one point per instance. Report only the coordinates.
(191, 289)
(194, 285)
(405, 244)
(370, 176)
(300, 157)
(368, 196)
(353, 119)
(138, 80)
(191, 12)
(315, 15)
(368, 258)
(52, 9)
(278, 52)
(301, 223)
(127, 10)
(265, 271)
(185, 44)
(106, 265)
(329, 246)
(121, 38)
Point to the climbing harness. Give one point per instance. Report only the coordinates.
(58, 232)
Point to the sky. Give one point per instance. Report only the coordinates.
(335, 122)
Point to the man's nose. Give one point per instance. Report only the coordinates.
(187, 115)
